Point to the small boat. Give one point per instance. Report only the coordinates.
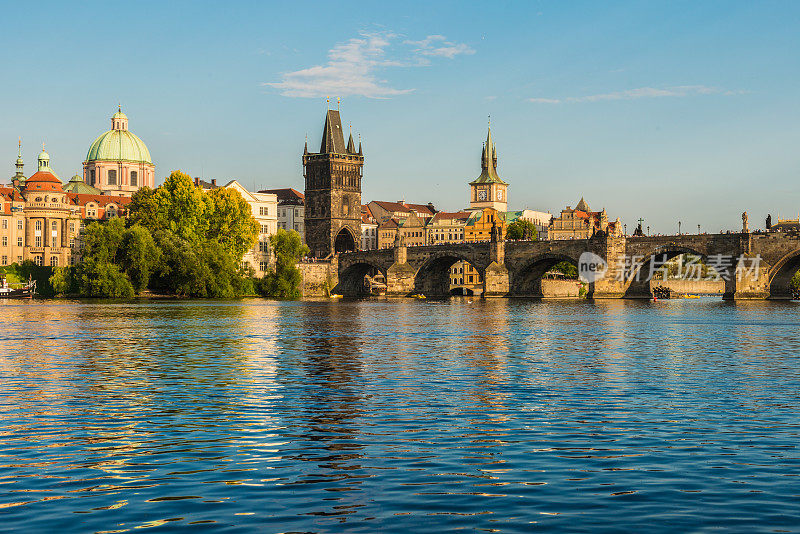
(17, 291)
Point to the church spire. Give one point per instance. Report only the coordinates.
(20, 163)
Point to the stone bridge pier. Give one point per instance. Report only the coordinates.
(754, 266)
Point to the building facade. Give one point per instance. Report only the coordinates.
(41, 222)
(118, 162)
(264, 208)
(582, 223)
(333, 191)
(369, 229)
(291, 209)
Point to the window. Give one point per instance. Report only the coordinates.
(112, 177)
(37, 242)
(5, 241)
(55, 242)
(262, 266)
(72, 242)
(37, 260)
(19, 241)
(5, 260)
(91, 177)
(134, 178)
(264, 229)
(38, 225)
(53, 261)
(19, 225)
(5, 224)
(54, 225)
(72, 227)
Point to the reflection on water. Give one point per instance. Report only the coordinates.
(501, 415)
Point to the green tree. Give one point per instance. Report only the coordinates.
(522, 229)
(284, 281)
(101, 279)
(177, 205)
(101, 240)
(138, 256)
(231, 222)
(566, 268)
(61, 281)
(794, 285)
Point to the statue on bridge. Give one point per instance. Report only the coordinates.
(769, 222)
(744, 222)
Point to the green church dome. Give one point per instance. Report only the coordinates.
(119, 144)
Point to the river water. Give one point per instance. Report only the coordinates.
(400, 416)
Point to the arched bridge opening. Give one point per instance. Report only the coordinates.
(361, 280)
(448, 275)
(677, 270)
(781, 284)
(549, 275)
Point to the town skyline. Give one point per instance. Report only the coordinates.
(694, 120)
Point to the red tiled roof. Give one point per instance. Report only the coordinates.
(388, 223)
(440, 215)
(422, 208)
(392, 206)
(43, 176)
(11, 194)
(81, 199)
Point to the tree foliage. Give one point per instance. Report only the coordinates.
(284, 281)
(138, 256)
(231, 222)
(567, 269)
(185, 210)
(522, 229)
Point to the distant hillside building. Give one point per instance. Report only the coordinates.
(582, 223)
(118, 162)
(383, 210)
(333, 191)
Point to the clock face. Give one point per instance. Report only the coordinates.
(482, 194)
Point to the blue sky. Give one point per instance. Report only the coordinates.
(663, 110)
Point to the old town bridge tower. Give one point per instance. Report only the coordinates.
(333, 191)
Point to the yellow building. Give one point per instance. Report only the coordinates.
(582, 223)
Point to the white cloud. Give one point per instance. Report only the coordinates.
(353, 66)
(439, 46)
(641, 92)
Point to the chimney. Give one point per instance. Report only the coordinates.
(196, 181)
(214, 182)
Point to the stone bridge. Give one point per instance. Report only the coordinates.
(515, 268)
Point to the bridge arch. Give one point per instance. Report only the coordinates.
(359, 278)
(526, 281)
(345, 241)
(433, 278)
(780, 275)
(638, 275)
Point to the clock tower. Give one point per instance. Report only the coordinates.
(488, 190)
